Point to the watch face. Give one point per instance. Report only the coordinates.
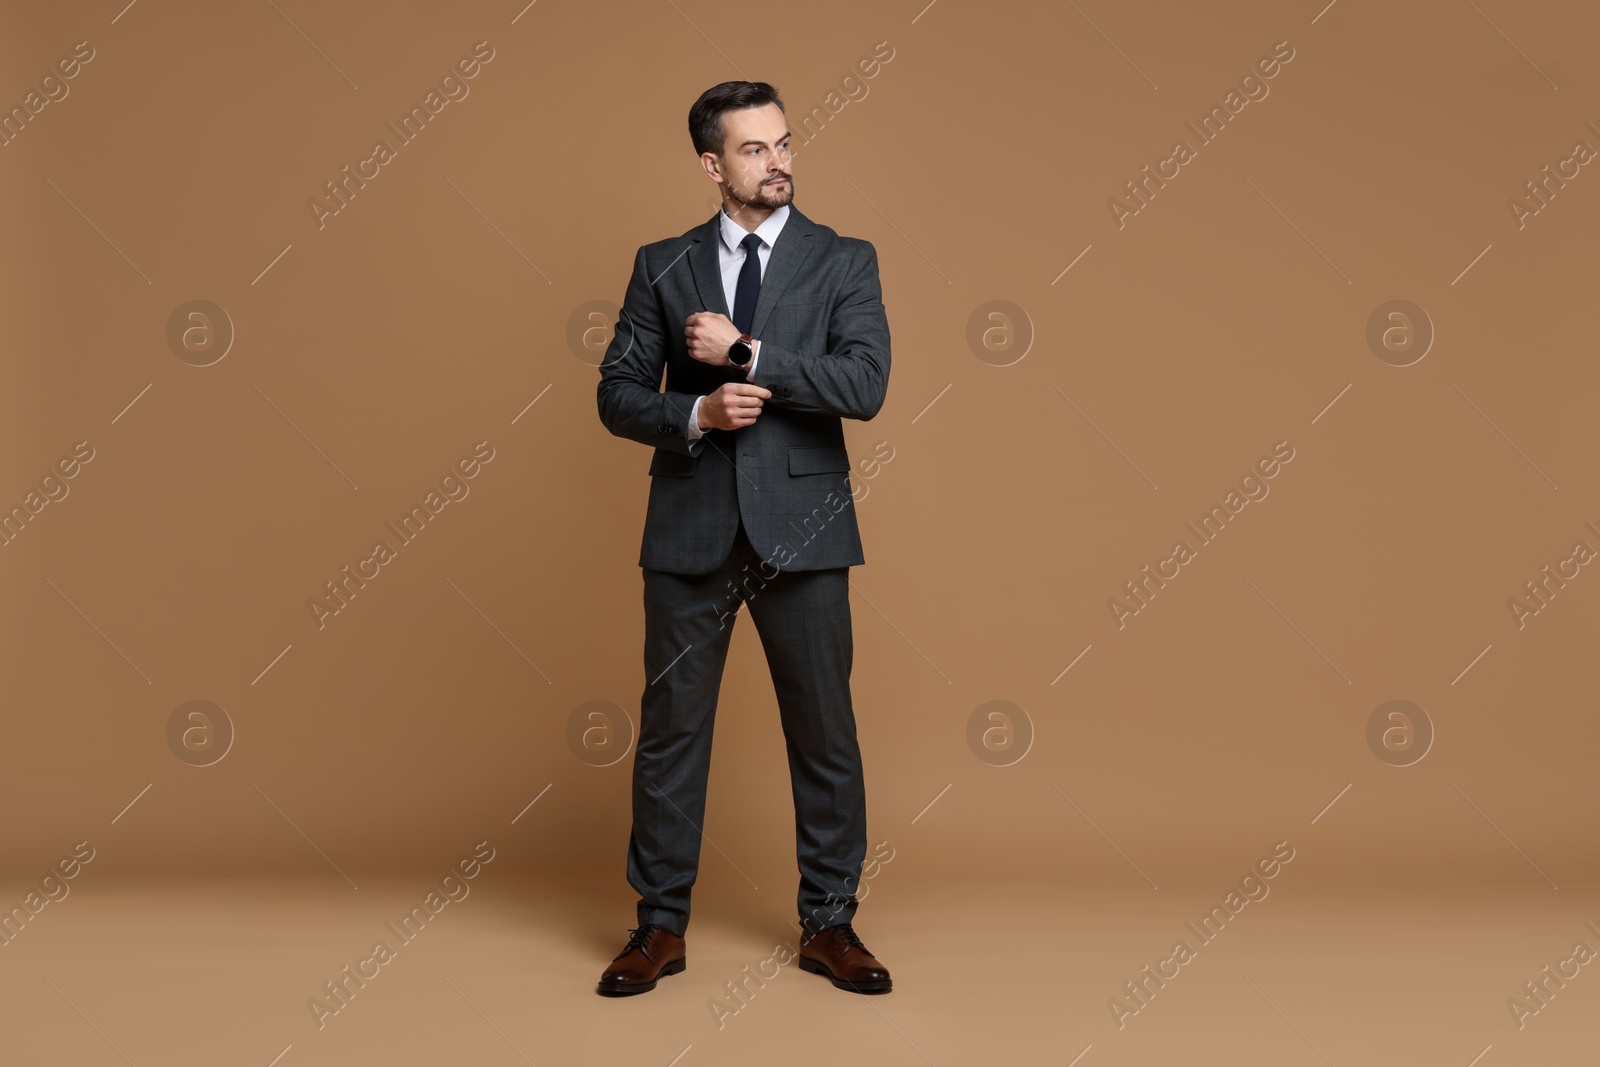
(739, 353)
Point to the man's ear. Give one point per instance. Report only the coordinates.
(713, 166)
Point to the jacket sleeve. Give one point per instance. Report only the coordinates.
(631, 401)
(851, 378)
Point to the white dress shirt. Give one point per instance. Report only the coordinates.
(731, 259)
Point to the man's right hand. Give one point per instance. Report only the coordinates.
(731, 406)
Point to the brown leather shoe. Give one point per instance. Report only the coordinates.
(838, 953)
(651, 952)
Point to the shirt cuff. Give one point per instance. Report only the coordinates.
(694, 431)
(755, 354)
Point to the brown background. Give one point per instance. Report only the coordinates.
(429, 313)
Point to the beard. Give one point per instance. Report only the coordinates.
(767, 196)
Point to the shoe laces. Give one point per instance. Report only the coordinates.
(848, 932)
(638, 935)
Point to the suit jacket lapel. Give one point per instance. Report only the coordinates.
(707, 270)
(788, 254)
(789, 251)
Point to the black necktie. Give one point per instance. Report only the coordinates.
(749, 287)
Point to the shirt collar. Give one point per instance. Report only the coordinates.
(733, 233)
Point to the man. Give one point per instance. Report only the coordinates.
(771, 330)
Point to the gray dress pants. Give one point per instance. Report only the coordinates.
(803, 619)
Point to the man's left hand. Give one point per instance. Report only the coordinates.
(709, 335)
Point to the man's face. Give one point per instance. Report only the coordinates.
(754, 165)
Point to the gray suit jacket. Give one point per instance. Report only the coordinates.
(825, 357)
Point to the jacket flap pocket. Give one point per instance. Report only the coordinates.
(825, 459)
(665, 461)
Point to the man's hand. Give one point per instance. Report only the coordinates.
(709, 335)
(732, 405)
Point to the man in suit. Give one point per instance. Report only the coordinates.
(771, 330)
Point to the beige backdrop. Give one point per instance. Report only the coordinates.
(1340, 273)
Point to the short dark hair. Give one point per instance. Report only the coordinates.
(705, 117)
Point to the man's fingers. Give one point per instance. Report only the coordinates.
(739, 403)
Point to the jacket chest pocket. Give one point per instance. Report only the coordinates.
(797, 320)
